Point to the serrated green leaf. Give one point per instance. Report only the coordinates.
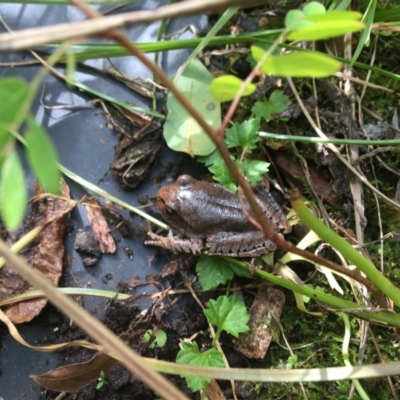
(181, 131)
(222, 174)
(277, 103)
(190, 355)
(313, 8)
(228, 314)
(225, 88)
(13, 95)
(304, 64)
(213, 271)
(261, 110)
(42, 157)
(254, 169)
(244, 134)
(13, 191)
(326, 30)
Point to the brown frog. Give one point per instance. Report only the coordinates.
(211, 220)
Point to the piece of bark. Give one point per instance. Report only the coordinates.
(267, 307)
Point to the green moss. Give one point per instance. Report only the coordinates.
(317, 343)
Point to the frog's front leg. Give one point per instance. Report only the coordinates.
(239, 244)
(176, 243)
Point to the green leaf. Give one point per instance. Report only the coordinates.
(295, 19)
(254, 169)
(13, 191)
(326, 30)
(244, 134)
(225, 88)
(42, 157)
(214, 271)
(228, 314)
(181, 131)
(304, 64)
(190, 355)
(161, 338)
(368, 18)
(13, 94)
(313, 8)
(5, 138)
(222, 174)
(336, 16)
(277, 103)
(210, 159)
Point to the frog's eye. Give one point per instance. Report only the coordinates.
(185, 181)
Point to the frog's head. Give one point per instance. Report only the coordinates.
(169, 204)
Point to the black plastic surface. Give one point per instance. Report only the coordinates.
(85, 145)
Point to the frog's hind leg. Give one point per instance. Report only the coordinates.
(239, 244)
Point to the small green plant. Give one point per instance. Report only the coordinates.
(242, 139)
(159, 340)
(227, 314)
(191, 355)
(101, 380)
(292, 362)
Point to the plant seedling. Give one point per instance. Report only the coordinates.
(101, 380)
(160, 339)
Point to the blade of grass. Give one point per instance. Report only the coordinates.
(225, 17)
(368, 19)
(349, 252)
(308, 139)
(345, 352)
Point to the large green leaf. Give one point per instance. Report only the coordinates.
(181, 131)
(42, 157)
(13, 191)
(13, 93)
(301, 64)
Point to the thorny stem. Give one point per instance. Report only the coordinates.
(269, 233)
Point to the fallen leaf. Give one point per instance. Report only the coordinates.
(71, 378)
(45, 254)
(100, 227)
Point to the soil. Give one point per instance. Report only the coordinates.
(124, 316)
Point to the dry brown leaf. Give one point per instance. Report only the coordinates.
(71, 378)
(45, 254)
(214, 392)
(100, 227)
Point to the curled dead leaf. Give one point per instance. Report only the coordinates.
(45, 254)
